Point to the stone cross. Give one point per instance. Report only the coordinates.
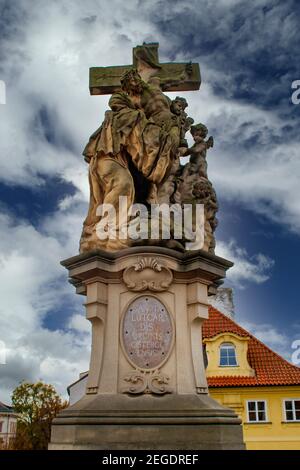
(106, 80)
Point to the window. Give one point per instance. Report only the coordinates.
(1, 425)
(292, 410)
(12, 427)
(227, 355)
(257, 411)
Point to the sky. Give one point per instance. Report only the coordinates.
(249, 56)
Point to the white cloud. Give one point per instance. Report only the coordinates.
(79, 323)
(32, 286)
(247, 268)
(278, 341)
(52, 83)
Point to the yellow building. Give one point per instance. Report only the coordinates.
(262, 387)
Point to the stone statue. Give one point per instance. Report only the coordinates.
(136, 152)
(131, 153)
(198, 163)
(194, 186)
(178, 107)
(146, 386)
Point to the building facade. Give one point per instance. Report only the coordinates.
(247, 376)
(8, 425)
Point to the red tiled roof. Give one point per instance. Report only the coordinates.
(269, 367)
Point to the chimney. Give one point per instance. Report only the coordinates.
(223, 301)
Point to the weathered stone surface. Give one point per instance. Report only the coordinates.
(194, 186)
(168, 422)
(147, 332)
(128, 407)
(135, 154)
(107, 80)
(140, 382)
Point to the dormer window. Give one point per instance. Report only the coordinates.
(227, 355)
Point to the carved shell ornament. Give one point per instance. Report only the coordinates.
(147, 274)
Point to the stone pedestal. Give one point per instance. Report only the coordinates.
(146, 386)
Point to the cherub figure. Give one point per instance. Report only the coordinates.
(178, 107)
(193, 185)
(168, 188)
(198, 163)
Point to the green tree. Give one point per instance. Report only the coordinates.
(36, 405)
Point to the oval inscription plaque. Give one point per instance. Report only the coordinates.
(147, 332)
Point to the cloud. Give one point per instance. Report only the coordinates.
(78, 323)
(245, 96)
(42, 129)
(236, 41)
(278, 341)
(45, 54)
(55, 357)
(49, 114)
(254, 161)
(33, 285)
(247, 268)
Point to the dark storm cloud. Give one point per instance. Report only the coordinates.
(252, 46)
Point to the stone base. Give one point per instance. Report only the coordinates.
(146, 386)
(173, 422)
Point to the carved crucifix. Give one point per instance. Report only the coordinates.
(174, 76)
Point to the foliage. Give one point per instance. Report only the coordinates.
(36, 405)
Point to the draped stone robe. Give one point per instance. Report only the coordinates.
(139, 147)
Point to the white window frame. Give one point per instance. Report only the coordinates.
(234, 347)
(266, 420)
(293, 410)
